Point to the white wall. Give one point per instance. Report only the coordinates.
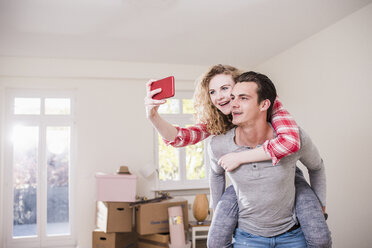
(111, 125)
(326, 83)
(1, 164)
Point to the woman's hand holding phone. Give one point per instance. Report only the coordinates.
(152, 105)
(167, 88)
(162, 89)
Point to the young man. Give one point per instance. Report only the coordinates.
(266, 193)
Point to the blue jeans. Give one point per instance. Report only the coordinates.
(293, 239)
(308, 210)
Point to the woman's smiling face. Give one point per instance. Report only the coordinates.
(220, 88)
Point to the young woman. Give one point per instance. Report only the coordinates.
(212, 105)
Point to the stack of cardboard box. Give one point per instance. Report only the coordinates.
(114, 216)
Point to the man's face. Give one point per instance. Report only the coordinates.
(245, 108)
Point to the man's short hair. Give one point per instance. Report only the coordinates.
(265, 88)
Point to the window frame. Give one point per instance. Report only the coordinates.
(182, 184)
(42, 121)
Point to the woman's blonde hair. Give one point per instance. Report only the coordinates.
(206, 113)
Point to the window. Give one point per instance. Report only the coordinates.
(180, 168)
(38, 167)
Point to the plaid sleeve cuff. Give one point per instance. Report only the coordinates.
(270, 152)
(178, 140)
(189, 136)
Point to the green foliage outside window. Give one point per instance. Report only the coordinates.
(195, 161)
(188, 106)
(168, 162)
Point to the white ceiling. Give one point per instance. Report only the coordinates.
(203, 32)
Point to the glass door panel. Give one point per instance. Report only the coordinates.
(58, 163)
(25, 168)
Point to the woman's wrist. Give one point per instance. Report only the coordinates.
(253, 155)
(152, 114)
(242, 157)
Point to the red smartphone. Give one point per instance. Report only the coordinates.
(167, 86)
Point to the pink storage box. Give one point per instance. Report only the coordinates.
(116, 188)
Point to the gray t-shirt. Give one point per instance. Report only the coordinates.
(266, 193)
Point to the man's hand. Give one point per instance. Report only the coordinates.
(230, 161)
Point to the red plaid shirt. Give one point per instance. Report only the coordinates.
(286, 142)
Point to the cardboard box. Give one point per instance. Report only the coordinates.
(153, 241)
(116, 188)
(114, 240)
(152, 218)
(114, 216)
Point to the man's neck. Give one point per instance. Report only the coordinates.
(253, 134)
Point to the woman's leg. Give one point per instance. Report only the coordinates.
(310, 214)
(224, 220)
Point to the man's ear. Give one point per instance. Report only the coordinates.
(265, 105)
